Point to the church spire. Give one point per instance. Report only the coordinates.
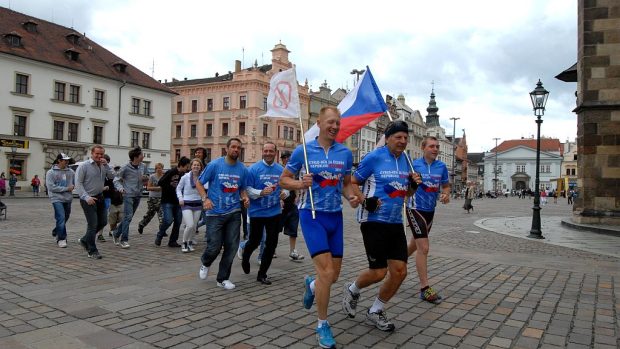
(432, 118)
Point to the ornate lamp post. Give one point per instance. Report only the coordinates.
(539, 100)
(13, 154)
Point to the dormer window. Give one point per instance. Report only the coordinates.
(72, 54)
(13, 39)
(30, 26)
(73, 38)
(120, 67)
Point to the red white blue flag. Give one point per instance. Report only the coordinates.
(358, 108)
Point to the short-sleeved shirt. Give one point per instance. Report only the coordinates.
(387, 178)
(260, 177)
(433, 176)
(225, 183)
(153, 180)
(328, 171)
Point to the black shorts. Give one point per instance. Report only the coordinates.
(420, 222)
(384, 241)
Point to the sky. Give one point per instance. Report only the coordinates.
(483, 56)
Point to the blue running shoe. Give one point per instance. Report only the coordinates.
(308, 295)
(325, 337)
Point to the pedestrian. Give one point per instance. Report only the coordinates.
(265, 211)
(420, 213)
(2, 184)
(554, 194)
(114, 208)
(129, 181)
(290, 217)
(226, 178)
(89, 184)
(171, 211)
(108, 183)
(60, 181)
(154, 201)
(569, 197)
(191, 203)
(35, 183)
(543, 197)
(469, 197)
(12, 184)
(329, 176)
(385, 176)
(201, 153)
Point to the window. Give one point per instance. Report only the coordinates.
(548, 168)
(147, 108)
(572, 172)
(210, 104)
(194, 106)
(575, 157)
(568, 171)
(192, 130)
(265, 129)
(209, 130)
(21, 84)
(298, 135)
(285, 133)
(179, 107)
(208, 154)
(135, 106)
(178, 131)
(99, 98)
(290, 133)
(264, 103)
(59, 130)
(225, 129)
(242, 102)
(19, 125)
(17, 166)
(98, 134)
(226, 103)
(520, 168)
(242, 128)
(146, 140)
(59, 91)
(74, 94)
(14, 40)
(177, 155)
(242, 155)
(72, 136)
(135, 139)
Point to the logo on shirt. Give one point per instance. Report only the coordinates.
(273, 186)
(326, 179)
(395, 190)
(228, 187)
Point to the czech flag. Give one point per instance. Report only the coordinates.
(358, 108)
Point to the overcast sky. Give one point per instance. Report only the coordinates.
(484, 56)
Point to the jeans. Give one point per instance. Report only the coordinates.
(62, 211)
(95, 220)
(130, 205)
(222, 230)
(171, 214)
(261, 248)
(257, 225)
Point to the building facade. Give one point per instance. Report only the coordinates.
(208, 112)
(62, 92)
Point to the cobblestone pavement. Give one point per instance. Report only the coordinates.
(500, 291)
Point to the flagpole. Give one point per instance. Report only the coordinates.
(303, 145)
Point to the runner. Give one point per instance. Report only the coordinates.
(329, 176)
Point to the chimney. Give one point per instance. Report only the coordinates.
(237, 66)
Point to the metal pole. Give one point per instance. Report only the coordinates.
(454, 155)
(495, 171)
(535, 232)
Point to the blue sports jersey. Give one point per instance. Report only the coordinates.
(387, 178)
(225, 183)
(434, 176)
(328, 171)
(260, 177)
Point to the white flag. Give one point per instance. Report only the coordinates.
(283, 98)
(312, 133)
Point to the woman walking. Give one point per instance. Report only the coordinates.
(190, 202)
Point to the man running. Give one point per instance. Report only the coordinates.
(385, 175)
(435, 183)
(170, 208)
(154, 202)
(59, 181)
(128, 181)
(329, 177)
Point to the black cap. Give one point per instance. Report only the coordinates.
(285, 154)
(63, 156)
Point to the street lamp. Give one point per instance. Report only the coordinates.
(13, 154)
(357, 73)
(495, 170)
(454, 155)
(539, 100)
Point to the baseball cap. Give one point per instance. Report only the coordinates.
(63, 156)
(285, 154)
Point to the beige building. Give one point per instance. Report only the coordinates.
(208, 112)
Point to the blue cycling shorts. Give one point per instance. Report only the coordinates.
(323, 234)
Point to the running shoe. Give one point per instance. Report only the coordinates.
(308, 295)
(295, 256)
(380, 320)
(349, 301)
(325, 337)
(430, 295)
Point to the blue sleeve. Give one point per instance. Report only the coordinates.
(444, 176)
(296, 161)
(207, 174)
(364, 170)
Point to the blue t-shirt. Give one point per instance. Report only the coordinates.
(260, 177)
(434, 176)
(328, 171)
(225, 183)
(387, 178)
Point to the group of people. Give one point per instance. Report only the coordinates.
(307, 189)
(12, 182)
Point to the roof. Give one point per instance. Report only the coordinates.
(475, 157)
(50, 43)
(217, 78)
(546, 144)
(569, 75)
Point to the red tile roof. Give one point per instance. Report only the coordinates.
(546, 144)
(50, 42)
